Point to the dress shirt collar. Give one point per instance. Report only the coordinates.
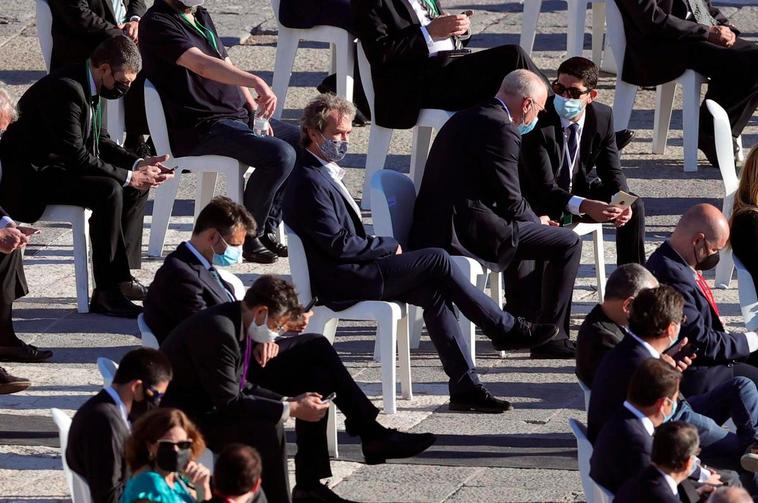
(203, 260)
(646, 422)
(650, 349)
(670, 481)
(510, 118)
(119, 403)
(566, 123)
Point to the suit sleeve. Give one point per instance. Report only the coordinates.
(651, 20)
(186, 294)
(79, 18)
(114, 153)
(383, 44)
(104, 458)
(537, 173)
(135, 8)
(3, 213)
(608, 162)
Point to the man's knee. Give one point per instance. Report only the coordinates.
(744, 385)
(285, 156)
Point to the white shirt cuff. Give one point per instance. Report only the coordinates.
(285, 410)
(5, 222)
(752, 341)
(129, 174)
(135, 18)
(428, 39)
(705, 474)
(573, 205)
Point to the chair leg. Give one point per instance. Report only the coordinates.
(235, 183)
(577, 10)
(422, 142)
(205, 190)
(163, 204)
(623, 102)
(331, 432)
(690, 118)
(529, 24)
(415, 325)
(344, 56)
(740, 152)
(599, 249)
(496, 288)
(664, 102)
(724, 269)
(404, 357)
(286, 47)
(378, 147)
(80, 232)
(386, 335)
(598, 32)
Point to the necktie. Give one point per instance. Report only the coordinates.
(564, 177)
(246, 362)
(97, 124)
(701, 13)
(215, 275)
(706, 290)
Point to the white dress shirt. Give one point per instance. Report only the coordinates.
(575, 202)
(120, 404)
(336, 174)
(434, 46)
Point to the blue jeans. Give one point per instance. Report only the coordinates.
(273, 158)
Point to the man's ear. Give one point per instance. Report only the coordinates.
(627, 305)
(592, 96)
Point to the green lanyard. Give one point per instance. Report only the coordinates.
(432, 6)
(204, 32)
(97, 115)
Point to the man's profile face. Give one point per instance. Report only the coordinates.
(338, 127)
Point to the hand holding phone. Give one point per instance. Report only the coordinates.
(28, 231)
(622, 199)
(329, 397)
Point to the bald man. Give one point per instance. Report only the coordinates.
(694, 247)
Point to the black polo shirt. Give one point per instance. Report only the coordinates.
(191, 102)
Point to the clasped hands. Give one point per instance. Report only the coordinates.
(721, 35)
(448, 25)
(150, 172)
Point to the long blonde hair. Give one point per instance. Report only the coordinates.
(746, 197)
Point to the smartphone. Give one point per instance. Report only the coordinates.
(688, 350)
(623, 200)
(28, 231)
(329, 397)
(310, 304)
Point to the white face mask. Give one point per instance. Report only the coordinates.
(261, 333)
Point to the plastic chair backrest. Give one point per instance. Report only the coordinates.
(156, 119)
(587, 393)
(45, 31)
(148, 337)
(748, 295)
(615, 32)
(592, 490)
(107, 369)
(392, 200)
(298, 266)
(725, 153)
(364, 67)
(237, 286)
(78, 487)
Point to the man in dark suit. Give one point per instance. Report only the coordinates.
(569, 164)
(230, 376)
(603, 328)
(470, 203)
(188, 282)
(58, 153)
(666, 37)
(101, 426)
(694, 247)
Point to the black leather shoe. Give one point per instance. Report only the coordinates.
(24, 353)
(133, 289)
(271, 242)
(12, 384)
(395, 444)
(112, 302)
(555, 350)
(258, 253)
(318, 494)
(623, 138)
(479, 400)
(525, 335)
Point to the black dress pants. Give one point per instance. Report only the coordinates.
(12, 287)
(115, 225)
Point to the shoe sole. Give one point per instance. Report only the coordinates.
(531, 345)
(13, 359)
(267, 261)
(749, 462)
(129, 316)
(13, 387)
(456, 407)
(376, 460)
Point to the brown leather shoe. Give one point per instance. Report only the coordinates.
(12, 384)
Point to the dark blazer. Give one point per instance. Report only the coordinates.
(304, 14)
(542, 153)
(181, 287)
(658, 39)
(96, 447)
(650, 486)
(470, 197)
(716, 347)
(598, 335)
(80, 25)
(206, 353)
(52, 138)
(341, 255)
(621, 451)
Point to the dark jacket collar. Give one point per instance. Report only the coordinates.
(184, 254)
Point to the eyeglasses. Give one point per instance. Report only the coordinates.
(181, 444)
(156, 395)
(573, 92)
(534, 102)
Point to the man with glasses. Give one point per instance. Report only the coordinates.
(470, 203)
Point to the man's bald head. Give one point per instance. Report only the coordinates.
(703, 230)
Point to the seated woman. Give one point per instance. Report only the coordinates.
(162, 452)
(744, 225)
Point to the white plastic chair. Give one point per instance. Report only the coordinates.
(594, 492)
(598, 245)
(586, 392)
(343, 56)
(208, 166)
(379, 139)
(725, 154)
(748, 296)
(148, 337)
(390, 317)
(107, 369)
(238, 288)
(76, 484)
(623, 101)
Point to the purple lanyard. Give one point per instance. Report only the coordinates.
(246, 363)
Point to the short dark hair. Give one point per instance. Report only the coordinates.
(277, 295)
(145, 364)
(224, 215)
(119, 52)
(673, 444)
(627, 281)
(581, 68)
(653, 380)
(236, 470)
(653, 310)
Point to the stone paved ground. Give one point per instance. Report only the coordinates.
(545, 393)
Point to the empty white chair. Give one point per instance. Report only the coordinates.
(76, 484)
(107, 369)
(593, 491)
(343, 56)
(748, 296)
(232, 280)
(148, 337)
(379, 139)
(623, 101)
(598, 245)
(208, 166)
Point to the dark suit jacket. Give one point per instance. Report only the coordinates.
(542, 153)
(658, 39)
(52, 138)
(181, 287)
(80, 25)
(96, 447)
(304, 14)
(621, 451)
(716, 347)
(470, 197)
(650, 486)
(598, 335)
(341, 255)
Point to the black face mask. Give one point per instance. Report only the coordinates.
(170, 459)
(141, 407)
(709, 262)
(117, 91)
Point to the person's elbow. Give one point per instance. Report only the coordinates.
(195, 62)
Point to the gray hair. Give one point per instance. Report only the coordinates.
(7, 107)
(730, 495)
(316, 113)
(522, 84)
(627, 281)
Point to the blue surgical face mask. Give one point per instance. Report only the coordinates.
(667, 417)
(333, 150)
(232, 255)
(526, 128)
(568, 108)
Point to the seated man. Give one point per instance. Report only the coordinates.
(210, 111)
(694, 247)
(237, 476)
(470, 203)
(188, 282)
(101, 426)
(665, 38)
(230, 378)
(570, 163)
(604, 326)
(347, 265)
(58, 153)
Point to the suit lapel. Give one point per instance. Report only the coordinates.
(409, 10)
(356, 218)
(203, 274)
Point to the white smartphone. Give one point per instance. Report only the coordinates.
(622, 199)
(329, 397)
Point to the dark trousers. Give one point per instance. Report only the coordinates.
(429, 279)
(543, 293)
(630, 239)
(12, 287)
(115, 225)
(273, 158)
